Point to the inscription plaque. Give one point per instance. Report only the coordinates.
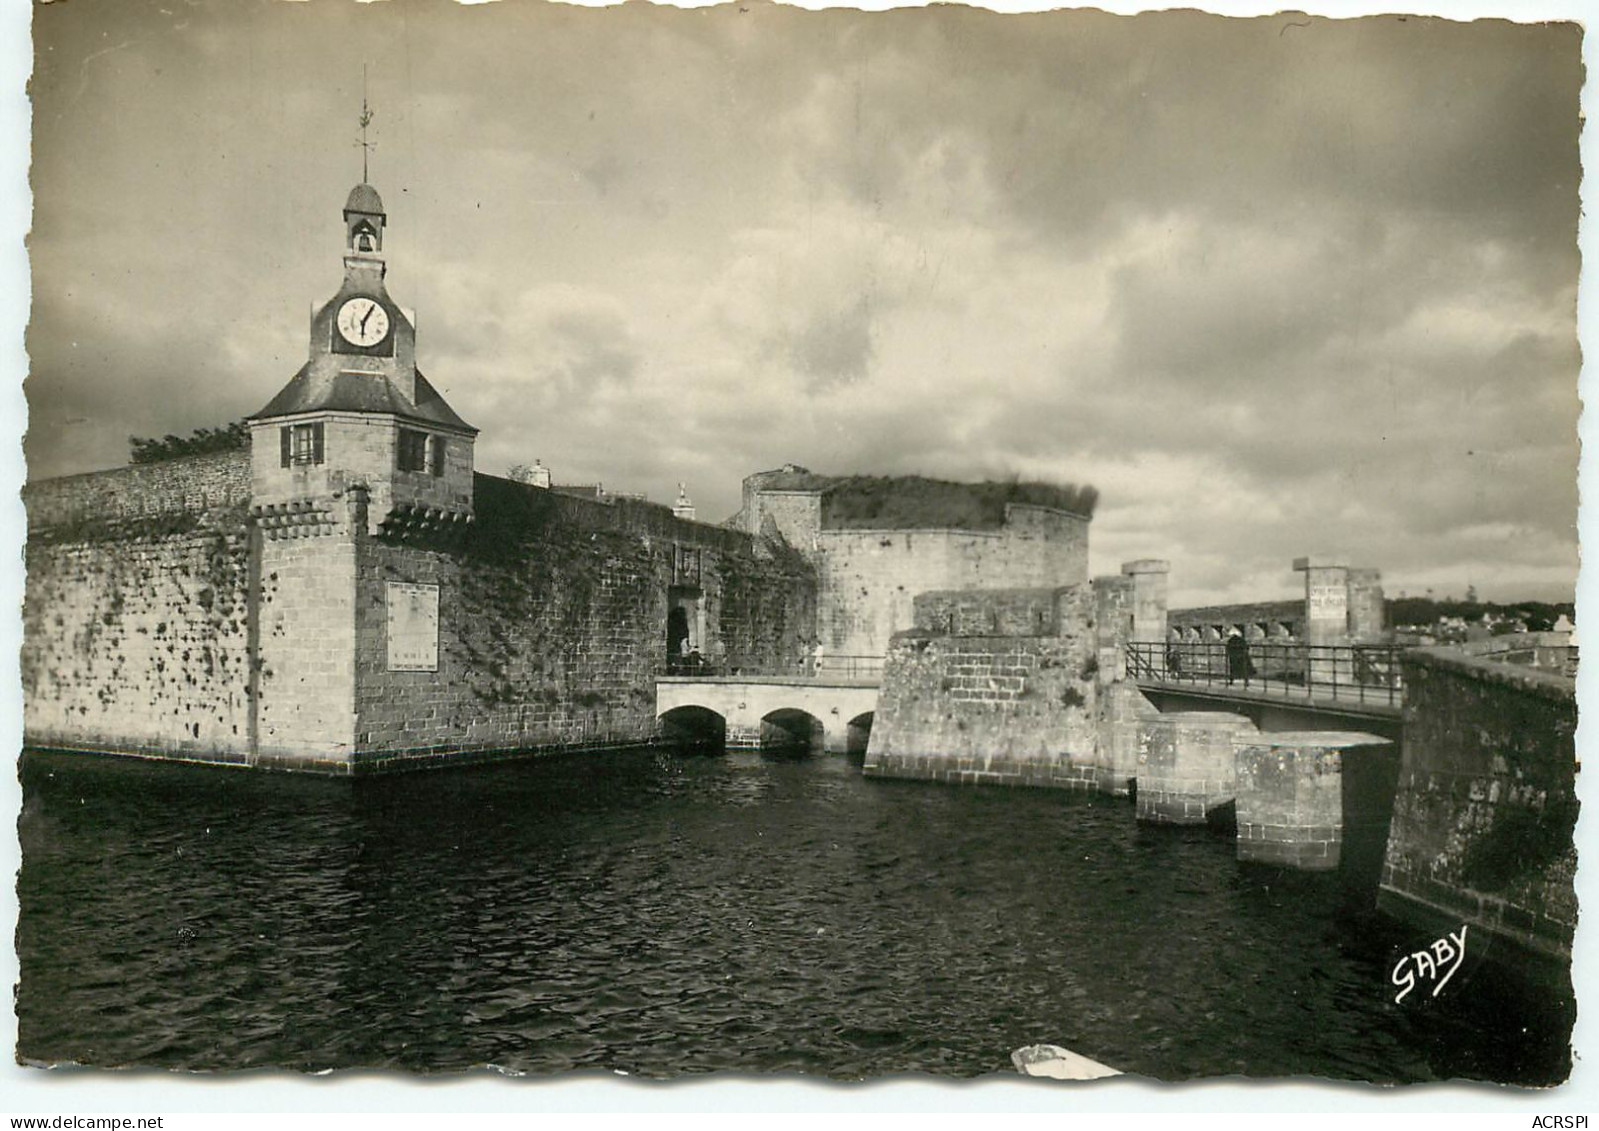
(413, 627)
(1327, 600)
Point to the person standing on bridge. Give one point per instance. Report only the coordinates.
(1238, 666)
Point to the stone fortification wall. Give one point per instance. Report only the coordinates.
(622, 516)
(156, 625)
(137, 611)
(552, 625)
(1011, 702)
(1115, 599)
(180, 486)
(870, 578)
(796, 515)
(1486, 802)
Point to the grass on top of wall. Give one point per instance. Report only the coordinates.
(912, 502)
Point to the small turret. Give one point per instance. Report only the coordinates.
(363, 221)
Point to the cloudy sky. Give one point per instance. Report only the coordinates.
(1276, 286)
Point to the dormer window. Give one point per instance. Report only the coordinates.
(301, 444)
(420, 451)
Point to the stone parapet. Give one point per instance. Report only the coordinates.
(190, 485)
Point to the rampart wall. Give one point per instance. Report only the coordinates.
(137, 612)
(1486, 802)
(187, 486)
(552, 625)
(163, 618)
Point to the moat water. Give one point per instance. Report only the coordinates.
(664, 914)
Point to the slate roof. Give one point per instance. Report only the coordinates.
(364, 198)
(355, 392)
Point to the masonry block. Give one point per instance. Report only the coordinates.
(992, 709)
(1292, 805)
(1186, 768)
(1124, 720)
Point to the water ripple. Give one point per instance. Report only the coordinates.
(665, 915)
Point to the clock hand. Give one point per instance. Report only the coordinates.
(369, 311)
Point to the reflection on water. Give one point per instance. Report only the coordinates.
(663, 915)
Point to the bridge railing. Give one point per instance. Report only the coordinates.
(1359, 673)
(824, 668)
(847, 667)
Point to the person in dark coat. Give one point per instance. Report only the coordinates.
(1237, 657)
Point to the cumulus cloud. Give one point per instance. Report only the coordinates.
(1275, 286)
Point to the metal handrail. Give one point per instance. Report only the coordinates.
(1363, 673)
(826, 667)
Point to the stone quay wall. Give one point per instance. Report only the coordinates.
(991, 707)
(1486, 802)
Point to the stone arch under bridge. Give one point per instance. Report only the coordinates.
(757, 714)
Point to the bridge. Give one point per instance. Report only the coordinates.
(1278, 686)
(781, 712)
(1281, 687)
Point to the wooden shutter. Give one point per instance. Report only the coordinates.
(286, 434)
(437, 444)
(316, 442)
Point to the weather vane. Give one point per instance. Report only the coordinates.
(366, 119)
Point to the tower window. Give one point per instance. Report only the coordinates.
(419, 451)
(301, 444)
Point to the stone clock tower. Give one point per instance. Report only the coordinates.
(359, 414)
(357, 455)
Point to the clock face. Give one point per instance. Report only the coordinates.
(363, 322)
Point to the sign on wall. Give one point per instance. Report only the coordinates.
(1327, 600)
(413, 627)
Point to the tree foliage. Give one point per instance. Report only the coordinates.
(1539, 616)
(911, 501)
(202, 441)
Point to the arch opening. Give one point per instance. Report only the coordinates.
(684, 630)
(694, 730)
(790, 732)
(858, 734)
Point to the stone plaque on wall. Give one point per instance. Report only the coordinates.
(688, 566)
(413, 627)
(1328, 600)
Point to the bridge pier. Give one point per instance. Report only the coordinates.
(1186, 771)
(1299, 794)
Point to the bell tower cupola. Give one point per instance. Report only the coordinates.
(359, 413)
(363, 221)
